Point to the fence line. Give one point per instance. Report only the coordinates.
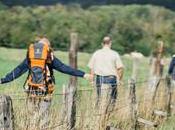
(125, 84)
(120, 101)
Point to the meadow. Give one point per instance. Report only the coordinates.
(10, 58)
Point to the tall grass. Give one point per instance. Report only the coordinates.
(89, 117)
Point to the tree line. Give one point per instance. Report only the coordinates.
(86, 3)
(131, 27)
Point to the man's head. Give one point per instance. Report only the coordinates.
(107, 41)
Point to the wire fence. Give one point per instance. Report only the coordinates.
(124, 84)
(87, 111)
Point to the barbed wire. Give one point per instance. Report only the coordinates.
(94, 86)
(81, 90)
(120, 100)
(100, 114)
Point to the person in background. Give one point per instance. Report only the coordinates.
(40, 63)
(171, 70)
(106, 66)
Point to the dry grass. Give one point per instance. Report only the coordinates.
(90, 117)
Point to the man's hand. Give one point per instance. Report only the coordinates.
(88, 77)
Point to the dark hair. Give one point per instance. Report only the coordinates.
(106, 40)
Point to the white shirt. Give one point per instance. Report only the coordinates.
(105, 62)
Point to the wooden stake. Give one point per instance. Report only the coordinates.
(73, 82)
(169, 96)
(6, 113)
(133, 109)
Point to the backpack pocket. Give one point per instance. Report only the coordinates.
(37, 75)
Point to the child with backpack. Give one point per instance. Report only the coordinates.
(40, 63)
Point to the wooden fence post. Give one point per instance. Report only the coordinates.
(157, 67)
(73, 82)
(156, 89)
(169, 96)
(156, 70)
(133, 109)
(158, 55)
(64, 106)
(6, 113)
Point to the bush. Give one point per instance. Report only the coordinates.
(131, 27)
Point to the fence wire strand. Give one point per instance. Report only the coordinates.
(17, 96)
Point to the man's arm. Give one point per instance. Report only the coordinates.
(119, 67)
(17, 72)
(119, 74)
(59, 66)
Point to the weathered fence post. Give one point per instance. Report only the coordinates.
(155, 91)
(6, 113)
(169, 96)
(157, 67)
(73, 82)
(157, 70)
(159, 56)
(64, 106)
(133, 109)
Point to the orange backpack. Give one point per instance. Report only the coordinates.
(38, 56)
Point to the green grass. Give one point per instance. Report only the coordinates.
(168, 125)
(10, 58)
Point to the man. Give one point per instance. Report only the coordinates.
(107, 66)
(171, 70)
(40, 63)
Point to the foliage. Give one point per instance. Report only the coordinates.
(87, 3)
(131, 27)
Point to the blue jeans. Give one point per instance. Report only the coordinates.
(108, 80)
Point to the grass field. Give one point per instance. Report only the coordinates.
(10, 58)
